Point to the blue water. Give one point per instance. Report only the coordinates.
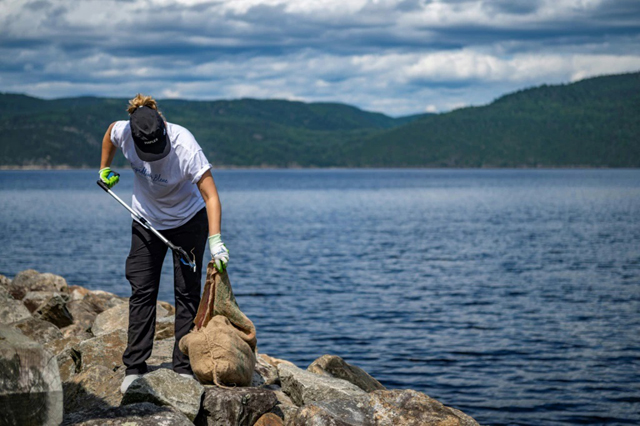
(513, 295)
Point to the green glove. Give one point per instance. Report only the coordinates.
(109, 177)
(219, 252)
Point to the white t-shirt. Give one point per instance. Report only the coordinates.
(165, 191)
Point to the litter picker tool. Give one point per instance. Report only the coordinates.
(184, 257)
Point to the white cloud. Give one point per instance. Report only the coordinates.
(395, 56)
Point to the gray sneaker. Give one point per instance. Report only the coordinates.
(128, 379)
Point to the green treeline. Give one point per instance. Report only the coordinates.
(594, 122)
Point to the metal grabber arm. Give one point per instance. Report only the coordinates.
(182, 254)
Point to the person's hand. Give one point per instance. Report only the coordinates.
(219, 253)
(109, 177)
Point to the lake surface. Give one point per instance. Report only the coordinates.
(513, 295)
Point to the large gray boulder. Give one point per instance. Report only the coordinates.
(411, 408)
(304, 387)
(105, 350)
(117, 318)
(237, 406)
(11, 310)
(315, 415)
(334, 366)
(93, 389)
(31, 280)
(143, 414)
(38, 330)
(30, 387)
(382, 408)
(166, 387)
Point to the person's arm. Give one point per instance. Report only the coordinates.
(219, 252)
(108, 149)
(108, 176)
(207, 188)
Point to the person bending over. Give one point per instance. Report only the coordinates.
(174, 190)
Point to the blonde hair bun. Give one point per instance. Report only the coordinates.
(141, 100)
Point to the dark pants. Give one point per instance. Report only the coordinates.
(143, 272)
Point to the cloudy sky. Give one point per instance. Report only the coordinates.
(394, 56)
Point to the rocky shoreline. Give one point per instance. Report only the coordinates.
(61, 353)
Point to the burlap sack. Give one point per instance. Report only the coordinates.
(219, 355)
(222, 344)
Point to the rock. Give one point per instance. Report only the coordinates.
(38, 330)
(171, 310)
(55, 311)
(76, 330)
(237, 406)
(34, 299)
(31, 280)
(412, 408)
(12, 310)
(286, 407)
(269, 419)
(68, 359)
(117, 318)
(266, 374)
(335, 366)
(59, 345)
(105, 350)
(382, 408)
(304, 387)
(83, 313)
(143, 414)
(68, 364)
(77, 292)
(4, 282)
(101, 301)
(162, 354)
(313, 415)
(257, 381)
(165, 387)
(275, 362)
(94, 388)
(165, 328)
(30, 387)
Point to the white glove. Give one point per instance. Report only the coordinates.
(219, 252)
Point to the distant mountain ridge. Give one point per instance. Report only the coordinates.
(594, 123)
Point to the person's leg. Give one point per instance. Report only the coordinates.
(144, 265)
(192, 237)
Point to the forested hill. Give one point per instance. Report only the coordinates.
(594, 122)
(246, 132)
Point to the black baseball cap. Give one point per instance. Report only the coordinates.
(149, 134)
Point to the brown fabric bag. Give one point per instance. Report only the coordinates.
(221, 347)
